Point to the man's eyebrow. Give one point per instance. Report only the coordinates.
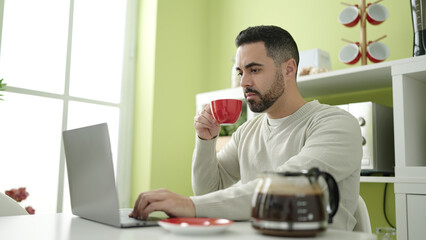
(252, 64)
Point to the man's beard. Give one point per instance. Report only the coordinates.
(270, 97)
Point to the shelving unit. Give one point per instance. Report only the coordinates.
(407, 77)
(409, 98)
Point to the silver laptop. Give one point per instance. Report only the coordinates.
(91, 178)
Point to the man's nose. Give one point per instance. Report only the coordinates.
(245, 80)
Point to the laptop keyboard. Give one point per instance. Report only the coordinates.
(126, 220)
(124, 216)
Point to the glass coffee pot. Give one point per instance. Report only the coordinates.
(293, 203)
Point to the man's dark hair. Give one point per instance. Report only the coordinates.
(279, 44)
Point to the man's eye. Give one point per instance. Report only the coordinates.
(255, 70)
(240, 74)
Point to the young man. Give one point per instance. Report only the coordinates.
(289, 135)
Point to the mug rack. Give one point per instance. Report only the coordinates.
(363, 44)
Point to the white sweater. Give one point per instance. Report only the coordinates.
(316, 135)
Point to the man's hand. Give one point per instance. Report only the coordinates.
(162, 200)
(205, 125)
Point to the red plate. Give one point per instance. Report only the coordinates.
(198, 221)
(195, 225)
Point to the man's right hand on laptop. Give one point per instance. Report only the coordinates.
(171, 203)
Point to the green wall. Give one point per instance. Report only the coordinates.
(170, 72)
(186, 47)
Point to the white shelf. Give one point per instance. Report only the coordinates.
(378, 179)
(418, 172)
(407, 180)
(367, 77)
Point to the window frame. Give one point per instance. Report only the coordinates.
(125, 106)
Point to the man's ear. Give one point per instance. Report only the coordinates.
(289, 68)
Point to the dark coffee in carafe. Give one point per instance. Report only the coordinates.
(291, 208)
(291, 205)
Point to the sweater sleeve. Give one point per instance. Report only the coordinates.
(211, 171)
(232, 203)
(217, 183)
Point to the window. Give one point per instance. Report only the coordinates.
(67, 64)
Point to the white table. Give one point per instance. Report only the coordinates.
(63, 226)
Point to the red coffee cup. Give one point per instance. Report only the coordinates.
(350, 54)
(377, 52)
(376, 13)
(226, 111)
(349, 16)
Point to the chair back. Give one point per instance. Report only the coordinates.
(362, 217)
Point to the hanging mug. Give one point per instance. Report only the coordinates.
(349, 16)
(376, 14)
(377, 52)
(350, 54)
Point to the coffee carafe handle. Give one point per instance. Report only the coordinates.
(334, 196)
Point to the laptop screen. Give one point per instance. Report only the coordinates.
(91, 174)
